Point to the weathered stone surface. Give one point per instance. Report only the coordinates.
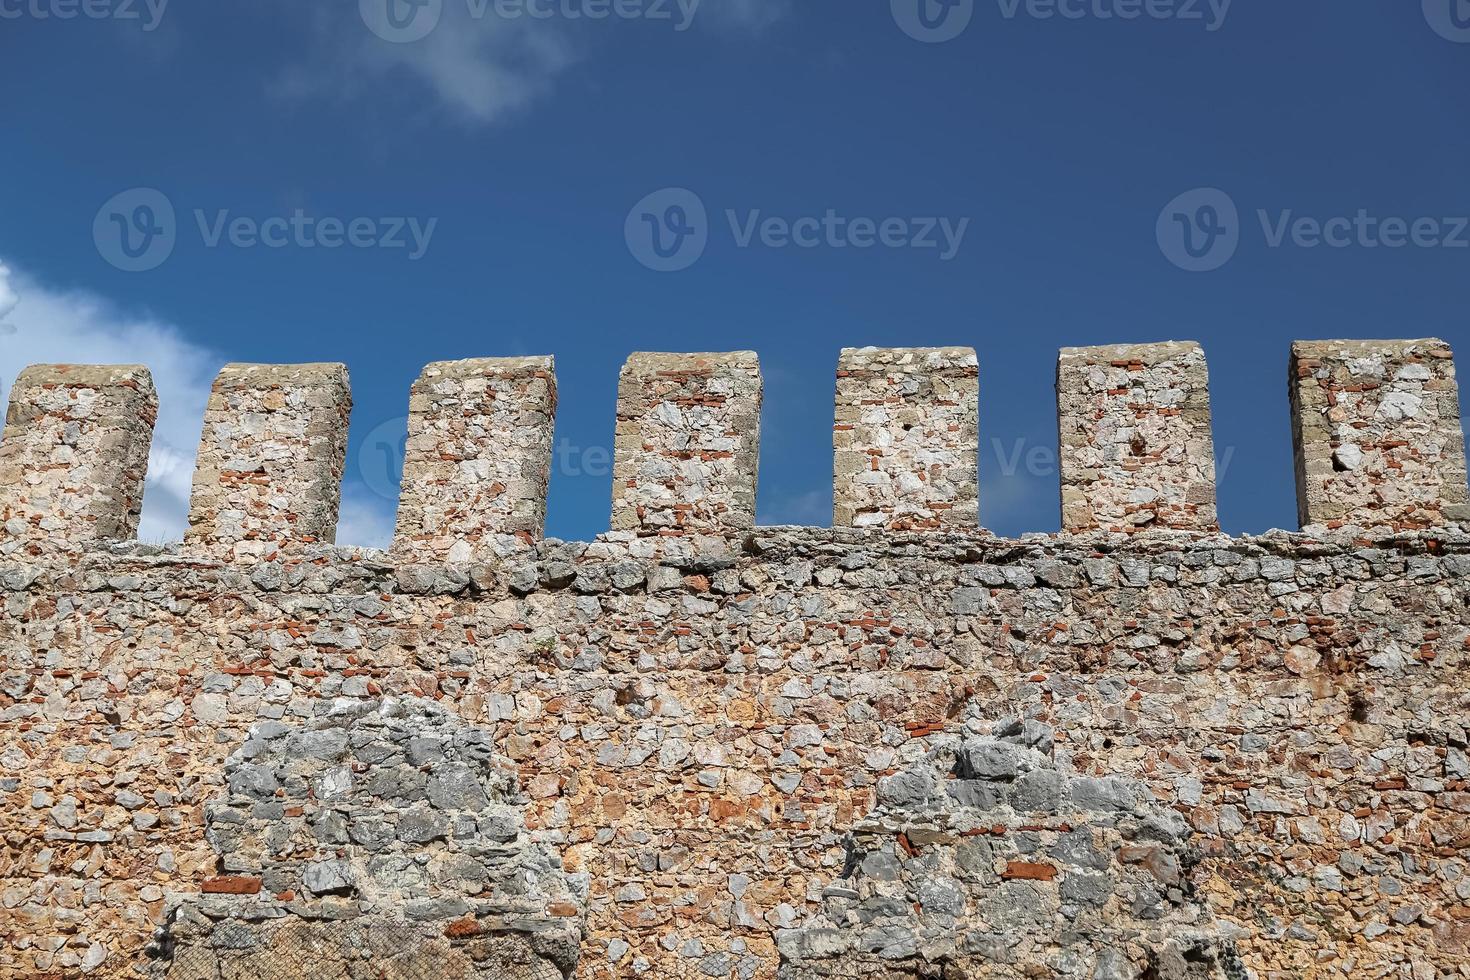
(478, 459)
(73, 456)
(1376, 425)
(355, 947)
(675, 742)
(688, 444)
(905, 438)
(1136, 447)
(269, 471)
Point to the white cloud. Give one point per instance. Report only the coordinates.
(8, 299)
(485, 68)
(482, 69)
(40, 325)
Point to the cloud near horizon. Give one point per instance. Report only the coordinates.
(40, 325)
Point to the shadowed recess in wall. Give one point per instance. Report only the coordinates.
(345, 951)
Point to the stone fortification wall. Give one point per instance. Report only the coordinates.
(705, 716)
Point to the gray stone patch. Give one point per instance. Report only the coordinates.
(1004, 874)
(435, 843)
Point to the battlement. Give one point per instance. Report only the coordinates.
(687, 444)
(1376, 426)
(73, 456)
(1135, 443)
(478, 458)
(905, 439)
(269, 469)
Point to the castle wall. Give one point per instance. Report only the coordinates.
(699, 729)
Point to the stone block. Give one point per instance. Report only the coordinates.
(269, 472)
(74, 456)
(688, 444)
(478, 459)
(1376, 429)
(905, 439)
(1136, 449)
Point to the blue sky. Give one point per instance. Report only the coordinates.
(1048, 146)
